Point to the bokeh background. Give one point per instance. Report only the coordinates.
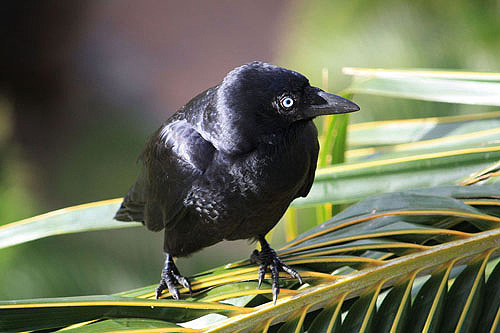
(83, 84)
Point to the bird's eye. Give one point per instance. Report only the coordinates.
(287, 102)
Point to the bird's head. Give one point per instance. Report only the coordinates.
(276, 95)
(259, 99)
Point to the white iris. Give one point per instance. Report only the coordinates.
(287, 102)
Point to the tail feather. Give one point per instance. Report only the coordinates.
(132, 208)
(130, 212)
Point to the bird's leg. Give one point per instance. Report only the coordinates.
(169, 276)
(267, 258)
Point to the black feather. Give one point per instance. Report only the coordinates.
(229, 162)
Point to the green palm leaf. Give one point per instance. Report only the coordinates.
(440, 86)
(429, 131)
(350, 182)
(86, 217)
(377, 251)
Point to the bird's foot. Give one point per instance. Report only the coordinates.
(169, 277)
(267, 259)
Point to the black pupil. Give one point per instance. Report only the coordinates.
(287, 102)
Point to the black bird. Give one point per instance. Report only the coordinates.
(228, 164)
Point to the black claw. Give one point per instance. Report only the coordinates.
(298, 277)
(267, 258)
(169, 275)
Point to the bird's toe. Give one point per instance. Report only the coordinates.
(262, 273)
(292, 272)
(167, 282)
(173, 289)
(183, 281)
(275, 276)
(162, 286)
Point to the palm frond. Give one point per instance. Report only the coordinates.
(384, 262)
(440, 86)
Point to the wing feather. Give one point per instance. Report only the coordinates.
(175, 155)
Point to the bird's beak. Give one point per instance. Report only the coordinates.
(323, 103)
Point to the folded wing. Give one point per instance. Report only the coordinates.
(174, 157)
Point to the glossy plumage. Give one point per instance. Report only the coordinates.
(227, 165)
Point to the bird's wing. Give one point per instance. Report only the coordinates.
(181, 140)
(304, 190)
(174, 157)
(314, 145)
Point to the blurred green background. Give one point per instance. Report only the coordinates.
(83, 84)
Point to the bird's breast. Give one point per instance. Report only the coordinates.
(246, 195)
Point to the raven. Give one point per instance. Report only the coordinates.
(228, 164)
